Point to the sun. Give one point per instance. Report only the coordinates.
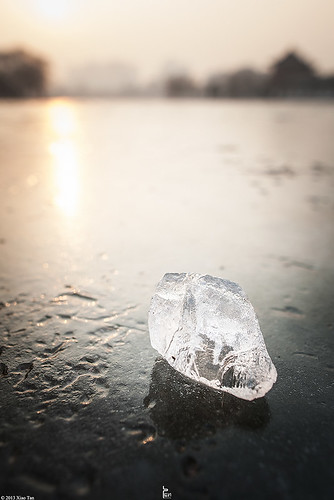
(53, 9)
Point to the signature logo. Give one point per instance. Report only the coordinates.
(165, 493)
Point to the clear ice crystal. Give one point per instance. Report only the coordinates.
(207, 329)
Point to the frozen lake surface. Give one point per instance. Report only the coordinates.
(98, 199)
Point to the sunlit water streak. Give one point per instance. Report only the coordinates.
(64, 154)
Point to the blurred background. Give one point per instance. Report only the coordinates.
(142, 48)
(144, 137)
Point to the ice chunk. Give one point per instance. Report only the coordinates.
(206, 328)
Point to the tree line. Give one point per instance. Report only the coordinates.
(24, 75)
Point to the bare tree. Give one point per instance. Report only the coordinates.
(22, 74)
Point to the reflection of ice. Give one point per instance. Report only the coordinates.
(182, 409)
(63, 150)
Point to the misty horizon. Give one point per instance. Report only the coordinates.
(150, 37)
(112, 75)
(24, 74)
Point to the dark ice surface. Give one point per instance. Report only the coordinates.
(98, 200)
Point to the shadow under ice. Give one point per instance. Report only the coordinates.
(183, 409)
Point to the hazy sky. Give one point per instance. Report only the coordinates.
(204, 35)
